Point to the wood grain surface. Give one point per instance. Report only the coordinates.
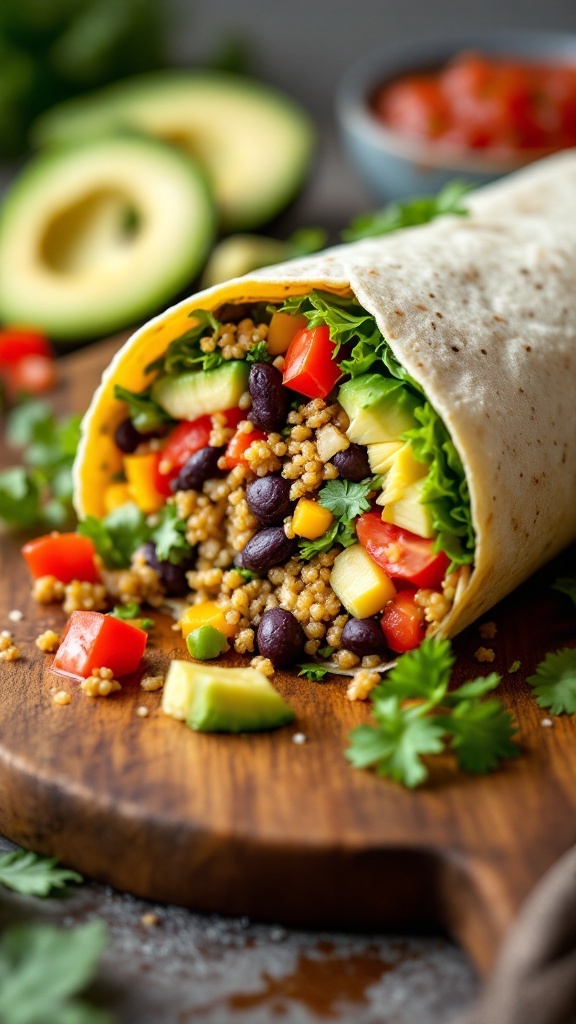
(258, 825)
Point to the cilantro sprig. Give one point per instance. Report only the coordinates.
(44, 969)
(127, 612)
(145, 413)
(417, 715)
(312, 671)
(554, 682)
(32, 875)
(39, 492)
(120, 533)
(347, 500)
(338, 533)
(413, 212)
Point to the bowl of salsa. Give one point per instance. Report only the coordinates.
(473, 107)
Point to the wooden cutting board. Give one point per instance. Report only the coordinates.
(261, 826)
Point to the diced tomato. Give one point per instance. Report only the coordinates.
(403, 623)
(235, 451)
(309, 367)
(67, 556)
(92, 640)
(401, 554)
(189, 437)
(16, 343)
(31, 375)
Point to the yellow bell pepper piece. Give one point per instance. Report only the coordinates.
(310, 519)
(141, 474)
(283, 327)
(362, 586)
(116, 495)
(207, 613)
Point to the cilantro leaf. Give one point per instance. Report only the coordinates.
(40, 491)
(311, 670)
(248, 574)
(420, 210)
(481, 734)
(42, 970)
(259, 353)
(396, 744)
(169, 537)
(338, 533)
(118, 535)
(32, 875)
(346, 499)
(145, 413)
(554, 682)
(566, 586)
(423, 673)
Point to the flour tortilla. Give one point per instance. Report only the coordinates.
(482, 313)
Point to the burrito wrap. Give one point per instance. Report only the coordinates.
(480, 310)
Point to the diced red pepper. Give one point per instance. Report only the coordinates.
(403, 623)
(17, 343)
(237, 446)
(67, 556)
(309, 365)
(402, 555)
(189, 437)
(92, 640)
(32, 375)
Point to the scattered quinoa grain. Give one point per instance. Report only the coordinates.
(80, 596)
(149, 919)
(299, 738)
(484, 654)
(48, 590)
(100, 684)
(15, 615)
(62, 697)
(547, 723)
(151, 683)
(48, 641)
(361, 684)
(142, 711)
(10, 653)
(263, 665)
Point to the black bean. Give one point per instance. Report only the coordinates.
(280, 637)
(267, 548)
(270, 399)
(352, 463)
(127, 438)
(363, 637)
(268, 499)
(200, 467)
(173, 577)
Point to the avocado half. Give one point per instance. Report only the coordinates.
(97, 235)
(254, 143)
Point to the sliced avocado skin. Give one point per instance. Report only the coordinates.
(215, 699)
(379, 408)
(197, 394)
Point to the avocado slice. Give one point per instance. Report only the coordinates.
(379, 408)
(239, 254)
(223, 699)
(199, 393)
(97, 235)
(254, 143)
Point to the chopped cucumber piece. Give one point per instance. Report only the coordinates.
(197, 393)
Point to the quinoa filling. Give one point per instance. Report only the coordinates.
(294, 487)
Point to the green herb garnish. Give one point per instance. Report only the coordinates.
(185, 354)
(554, 682)
(259, 353)
(338, 533)
(310, 670)
(39, 493)
(345, 499)
(169, 537)
(118, 535)
(42, 971)
(248, 574)
(479, 732)
(515, 667)
(32, 875)
(146, 415)
(413, 212)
